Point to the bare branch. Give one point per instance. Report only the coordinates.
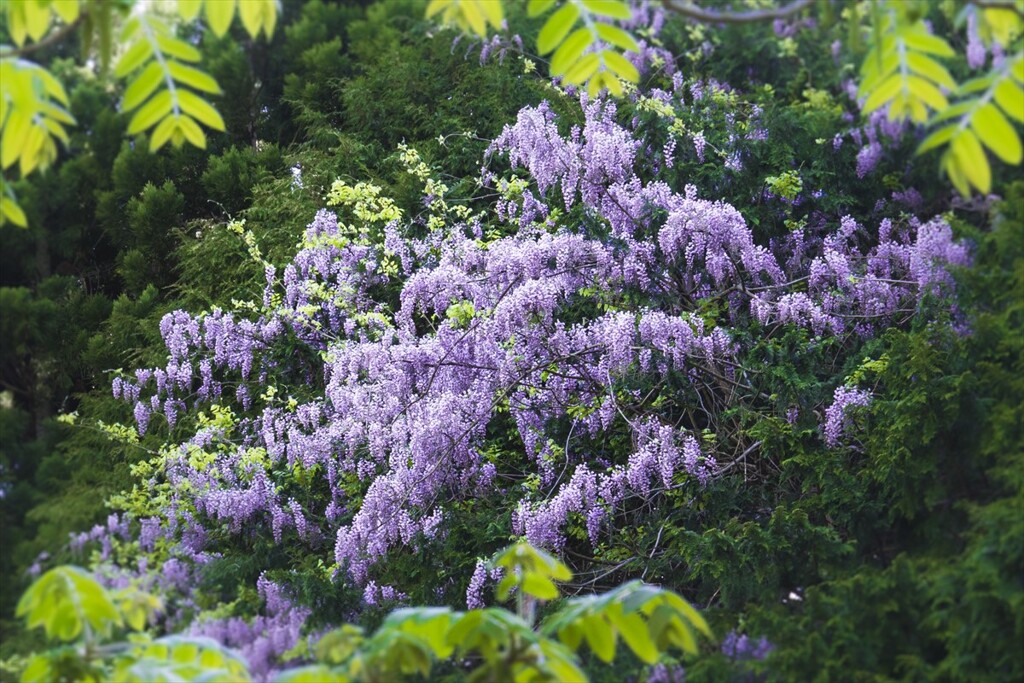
(50, 39)
(688, 9)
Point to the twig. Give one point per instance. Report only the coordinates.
(688, 9)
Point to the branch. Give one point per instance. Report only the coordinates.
(50, 39)
(688, 9)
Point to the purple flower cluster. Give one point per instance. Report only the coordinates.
(553, 324)
(836, 415)
(263, 639)
(743, 648)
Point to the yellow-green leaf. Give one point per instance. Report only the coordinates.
(1010, 97)
(616, 36)
(151, 112)
(570, 51)
(997, 134)
(583, 69)
(163, 133)
(189, 9)
(926, 92)
(494, 11)
(609, 8)
(220, 13)
(883, 93)
(924, 42)
(930, 69)
(634, 632)
(474, 17)
(538, 7)
(257, 15)
(539, 586)
(600, 637)
(556, 28)
(200, 109)
(133, 58)
(436, 6)
(37, 18)
(142, 87)
(937, 139)
(67, 10)
(956, 174)
(193, 133)
(14, 133)
(178, 49)
(12, 212)
(193, 78)
(620, 65)
(971, 159)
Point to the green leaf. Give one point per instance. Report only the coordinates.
(997, 134)
(617, 37)
(609, 8)
(583, 69)
(15, 132)
(10, 211)
(178, 49)
(37, 19)
(437, 6)
(220, 13)
(151, 112)
(883, 93)
(257, 15)
(538, 7)
(192, 132)
(474, 16)
(634, 632)
(200, 109)
(620, 65)
(505, 586)
(67, 10)
(971, 160)
(133, 58)
(1010, 97)
(930, 69)
(556, 28)
(924, 42)
(194, 78)
(600, 637)
(142, 87)
(539, 586)
(928, 93)
(189, 9)
(570, 50)
(494, 11)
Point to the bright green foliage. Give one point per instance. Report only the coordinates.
(71, 605)
(67, 601)
(162, 87)
(901, 72)
(469, 15)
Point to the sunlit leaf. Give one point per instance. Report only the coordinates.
(556, 28)
(220, 13)
(151, 112)
(971, 160)
(1010, 97)
(142, 86)
(996, 133)
(609, 8)
(617, 37)
(570, 50)
(193, 78)
(200, 109)
(538, 7)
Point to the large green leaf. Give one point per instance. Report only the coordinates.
(556, 28)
